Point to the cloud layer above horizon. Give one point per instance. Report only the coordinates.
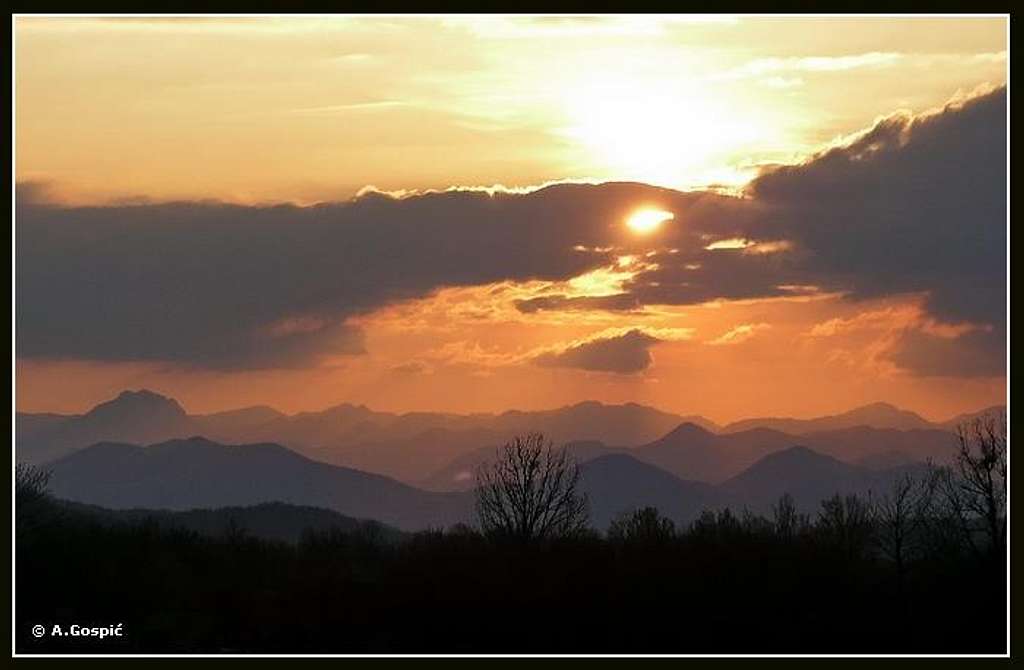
(913, 205)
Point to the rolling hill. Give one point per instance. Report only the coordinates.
(197, 473)
(808, 476)
(619, 483)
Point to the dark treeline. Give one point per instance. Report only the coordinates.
(905, 572)
(727, 584)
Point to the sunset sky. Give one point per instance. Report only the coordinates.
(724, 216)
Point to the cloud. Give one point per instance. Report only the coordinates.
(914, 204)
(739, 334)
(33, 192)
(889, 318)
(771, 70)
(750, 246)
(207, 284)
(626, 353)
(620, 302)
(411, 368)
(701, 275)
(560, 27)
(765, 66)
(977, 353)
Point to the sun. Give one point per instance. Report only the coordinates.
(670, 131)
(648, 220)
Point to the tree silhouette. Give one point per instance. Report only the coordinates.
(787, 522)
(847, 523)
(901, 515)
(974, 488)
(31, 497)
(644, 525)
(720, 526)
(531, 492)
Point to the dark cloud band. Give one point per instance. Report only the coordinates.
(916, 204)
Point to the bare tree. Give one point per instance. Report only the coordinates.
(531, 492)
(901, 515)
(847, 522)
(787, 522)
(974, 488)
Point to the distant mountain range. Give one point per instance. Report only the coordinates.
(809, 477)
(417, 470)
(183, 475)
(876, 415)
(692, 453)
(407, 446)
(138, 417)
(436, 450)
(197, 473)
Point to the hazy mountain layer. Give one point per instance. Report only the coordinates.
(197, 473)
(440, 451)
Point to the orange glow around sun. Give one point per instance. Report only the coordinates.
(648, 220)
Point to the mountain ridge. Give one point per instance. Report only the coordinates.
(877, 414)
(421, 447)
(196, 473)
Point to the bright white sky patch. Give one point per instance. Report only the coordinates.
(648, 220)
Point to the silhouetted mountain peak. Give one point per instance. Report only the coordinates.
(796, 461)
(876, 415)
(687, 431)
(883, 411)
(880, 406)
(346, 411)
(141, 402)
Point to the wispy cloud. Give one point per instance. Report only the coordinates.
(767, 66)
(739, 334)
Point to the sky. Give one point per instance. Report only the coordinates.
(731, 216)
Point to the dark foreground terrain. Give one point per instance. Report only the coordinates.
(726, 584)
